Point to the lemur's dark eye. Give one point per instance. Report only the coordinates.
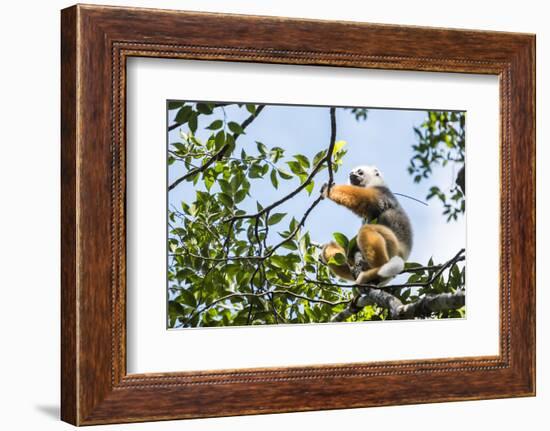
(360, 172)
(377, 174)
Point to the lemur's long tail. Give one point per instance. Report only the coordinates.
(392, 267)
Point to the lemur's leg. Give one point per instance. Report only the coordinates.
(342, 271)
(378, 245)
(357, 199)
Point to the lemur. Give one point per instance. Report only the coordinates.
(384, 245)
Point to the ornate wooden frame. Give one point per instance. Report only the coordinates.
(96, 41)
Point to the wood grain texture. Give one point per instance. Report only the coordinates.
(69, 397)
(96, 41)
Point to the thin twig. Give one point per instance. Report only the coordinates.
(331, 147)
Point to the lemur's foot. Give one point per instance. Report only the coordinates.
(358, 261)
(324, 191)
(356, 272)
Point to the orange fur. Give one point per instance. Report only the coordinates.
(343, 271)
(377, 243)
(373, 246)
(360, 200)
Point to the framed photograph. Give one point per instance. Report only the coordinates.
(277, 215)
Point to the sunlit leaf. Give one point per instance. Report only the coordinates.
(275, 218)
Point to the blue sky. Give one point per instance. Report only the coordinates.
(385, 139)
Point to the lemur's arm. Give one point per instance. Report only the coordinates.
(361, 200)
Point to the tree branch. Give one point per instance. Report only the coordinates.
(327, 159)
(421, 308)
(265, 211)
(461, 179)
(440, 268)
(331, 147)
(397, 310)
(379, 295)
(219, 154)
(267, 293)
(261, 257)
(300, 224)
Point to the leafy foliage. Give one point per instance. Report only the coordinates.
(236, 261)
(441, 140)
(430, 283)
(360, 113)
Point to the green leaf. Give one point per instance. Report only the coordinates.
(319, 156)
(193, 122)
(175, 105)
(235, 128)
(285, 262)
(175, 309)
(274, 179)
(251, 108)
(414, 278)
(240, 195)
(220, 139)
(225, 199)
(215, 125)
(341, 239)
(338, 145)
(303, 160)
(256, 171)
(180, 147)
(275, 218)
(261, 148)
(290, 245)
(310, 186)
(183, 115)
(225, 186)
(285, 175)
(236, 181)
(295, 167)
(278, 261)
(208, 182)
(352, 246)
(186, 297)
(338, 259)
(203, 108)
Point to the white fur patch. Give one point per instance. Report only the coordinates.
(392, 267)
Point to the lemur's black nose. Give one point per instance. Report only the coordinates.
(354, 178)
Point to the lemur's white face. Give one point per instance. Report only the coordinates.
(366, 176)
